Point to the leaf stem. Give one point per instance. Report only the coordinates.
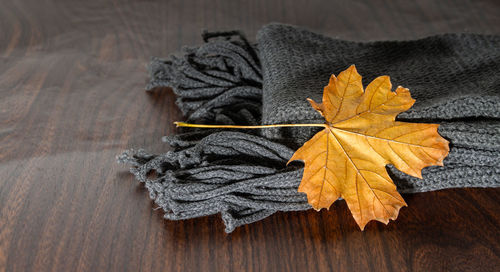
(183, 124)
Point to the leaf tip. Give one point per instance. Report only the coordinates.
(402, 90)
(316, 106)
(352, 70)
(332, 80)
(295, 157)
(385, 79)
(311, 101)
(418, 174)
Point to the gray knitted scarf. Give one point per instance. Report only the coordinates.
(455, 79)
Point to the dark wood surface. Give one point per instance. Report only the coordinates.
(72, 75)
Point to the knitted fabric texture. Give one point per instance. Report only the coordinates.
(455, 79)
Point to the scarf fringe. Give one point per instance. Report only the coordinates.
(236, 174)
(217, 82)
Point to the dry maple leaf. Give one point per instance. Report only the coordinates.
(347, 159)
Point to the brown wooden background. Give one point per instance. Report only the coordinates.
(72, 75)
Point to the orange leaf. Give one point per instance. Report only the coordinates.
(347, 159)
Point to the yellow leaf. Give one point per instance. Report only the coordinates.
(347, 159)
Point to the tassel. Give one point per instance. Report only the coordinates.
(217, 82)
(236, 174)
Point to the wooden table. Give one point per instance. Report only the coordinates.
(72, 77)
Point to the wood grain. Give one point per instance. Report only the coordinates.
(72, 75)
